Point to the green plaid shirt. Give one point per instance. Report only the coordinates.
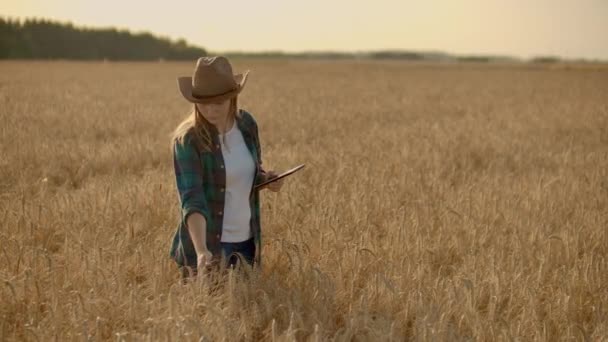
(201, 182)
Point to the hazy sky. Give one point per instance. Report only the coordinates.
(523, 28)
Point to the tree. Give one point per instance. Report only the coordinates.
(45, 39)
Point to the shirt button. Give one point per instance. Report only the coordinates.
(222, 166)
(217, 146)
(220, 213)
(222, 189)
(217, 236)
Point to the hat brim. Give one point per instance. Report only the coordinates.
(185, 87)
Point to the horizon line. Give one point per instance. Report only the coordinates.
(353, 52)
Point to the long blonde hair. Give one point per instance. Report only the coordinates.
(195, 123)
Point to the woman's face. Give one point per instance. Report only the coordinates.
(215, 113)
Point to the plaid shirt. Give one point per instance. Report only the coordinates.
(201, 182)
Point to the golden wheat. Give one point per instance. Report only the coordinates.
(439, 202)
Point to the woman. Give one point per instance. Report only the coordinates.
(217, 160)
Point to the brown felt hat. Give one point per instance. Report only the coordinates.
(211, 81)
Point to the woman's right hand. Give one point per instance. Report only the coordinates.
(204, 261)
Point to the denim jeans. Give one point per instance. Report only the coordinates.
(231, 251)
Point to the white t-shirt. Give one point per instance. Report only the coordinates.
(240, 171)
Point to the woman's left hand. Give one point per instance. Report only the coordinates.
(274, 186)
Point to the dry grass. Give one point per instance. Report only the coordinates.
(438, 203)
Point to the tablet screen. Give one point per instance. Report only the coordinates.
(282, 175)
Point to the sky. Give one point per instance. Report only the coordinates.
(519, 28)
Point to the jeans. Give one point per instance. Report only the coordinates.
(232, 252)
(246, 249)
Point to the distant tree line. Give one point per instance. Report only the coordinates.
(45, 39)
(425, 56)
(545, 59)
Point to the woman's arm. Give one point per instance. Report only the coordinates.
(262, 176)
(197, 227)
(189, 179)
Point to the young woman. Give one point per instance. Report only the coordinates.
(217, 161)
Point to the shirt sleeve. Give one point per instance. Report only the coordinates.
(189, 178)
(261, 176)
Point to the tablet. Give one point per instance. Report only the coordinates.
(282, 175)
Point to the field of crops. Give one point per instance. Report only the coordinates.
(439, 202)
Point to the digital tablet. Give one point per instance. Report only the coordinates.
(282, 175)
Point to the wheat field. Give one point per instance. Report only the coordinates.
(439, 203)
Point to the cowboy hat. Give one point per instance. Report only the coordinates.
(211, 81)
